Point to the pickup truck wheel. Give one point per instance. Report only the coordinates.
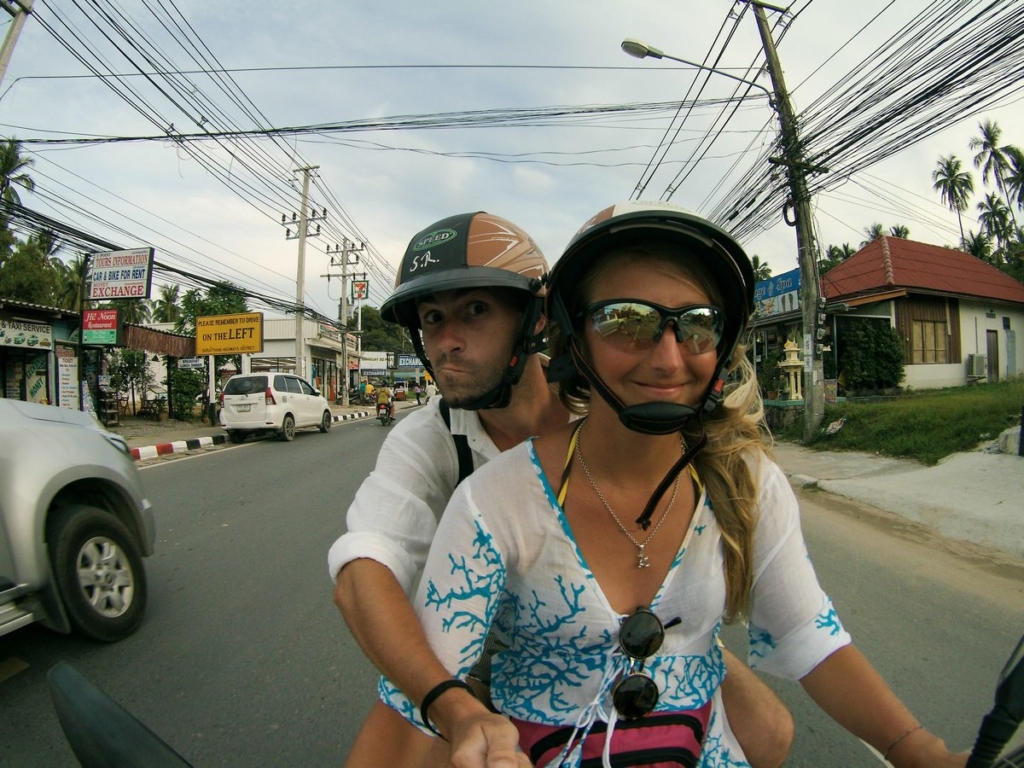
(288, 428)
(325, 422)
(99, 572)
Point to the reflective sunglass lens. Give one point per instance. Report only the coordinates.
(639, 326)
(641, 635)
(635, 696)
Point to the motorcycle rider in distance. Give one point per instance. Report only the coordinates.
(469, 290)
(386, 396)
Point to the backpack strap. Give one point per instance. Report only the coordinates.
(461, 444)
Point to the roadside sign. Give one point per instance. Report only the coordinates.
(121, 274)
(192, 363)
(101, 326)
(229, 334)
(360, 289)
(409, 361)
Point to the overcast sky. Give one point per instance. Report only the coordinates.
(334, 61)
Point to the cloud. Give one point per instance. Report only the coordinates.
(410, 58)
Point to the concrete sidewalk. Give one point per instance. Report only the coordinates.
(976, 497)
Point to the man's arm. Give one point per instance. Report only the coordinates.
(385, 625)
(383, 622)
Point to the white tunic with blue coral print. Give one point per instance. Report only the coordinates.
(505, 557)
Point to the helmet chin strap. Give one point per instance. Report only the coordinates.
(655, 418)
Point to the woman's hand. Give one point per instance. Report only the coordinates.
(921, 748)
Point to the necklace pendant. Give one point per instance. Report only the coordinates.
(642, 560)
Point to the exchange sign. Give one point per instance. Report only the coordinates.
(121, 274)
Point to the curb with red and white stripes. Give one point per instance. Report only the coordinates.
(183, 446)
(178, 446)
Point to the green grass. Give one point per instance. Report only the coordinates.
(926, 425)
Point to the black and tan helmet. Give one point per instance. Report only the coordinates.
(629, 222)
(472, 250)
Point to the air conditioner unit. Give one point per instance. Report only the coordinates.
(977, 365)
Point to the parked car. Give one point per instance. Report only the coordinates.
(75, 524)
(278, 403)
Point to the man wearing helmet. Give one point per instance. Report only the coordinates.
(470, 292)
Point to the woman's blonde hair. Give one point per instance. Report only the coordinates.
(728, 463)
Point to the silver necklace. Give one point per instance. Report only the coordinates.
(643, 561)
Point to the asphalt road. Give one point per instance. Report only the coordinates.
(243, 659)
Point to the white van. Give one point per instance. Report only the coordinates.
(258, 403)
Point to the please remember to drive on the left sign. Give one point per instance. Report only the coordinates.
(229, 334)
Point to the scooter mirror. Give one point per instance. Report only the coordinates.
(1010, 690)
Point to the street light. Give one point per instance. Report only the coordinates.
(641, 50)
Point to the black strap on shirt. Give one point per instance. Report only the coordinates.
(461, 444)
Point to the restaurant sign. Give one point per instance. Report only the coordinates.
(101, 326)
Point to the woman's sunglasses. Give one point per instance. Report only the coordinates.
(631, 324)
(640, 636)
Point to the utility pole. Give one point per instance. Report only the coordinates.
(800, 201)
(302, 221)
(19, 11)
(339, 257)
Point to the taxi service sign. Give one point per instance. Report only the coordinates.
(229, 334)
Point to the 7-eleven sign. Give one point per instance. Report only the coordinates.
(360, 289)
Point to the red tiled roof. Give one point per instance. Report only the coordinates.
(889, 263)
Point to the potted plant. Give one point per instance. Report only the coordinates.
(768, 374)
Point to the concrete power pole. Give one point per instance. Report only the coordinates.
(339, 257)
(19, 11)
(814, 392)
(302, 222)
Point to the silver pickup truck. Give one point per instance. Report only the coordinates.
(75, 524)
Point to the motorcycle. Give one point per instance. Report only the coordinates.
(384, 414)
(101, 733)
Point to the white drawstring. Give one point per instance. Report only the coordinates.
(572, 756)
(606, 755)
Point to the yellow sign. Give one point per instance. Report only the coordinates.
(229, 334)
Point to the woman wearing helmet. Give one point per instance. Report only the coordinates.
(609, 553)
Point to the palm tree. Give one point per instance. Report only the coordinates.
(979, 246)
(834, 256)
(12, 171)
(955, 185)
(993, 159)
(134, 311)
(761, 269)
(994, 217)
(167, 308)
(900, 230)
(873, 232)
(68, 294)
(1015, 176)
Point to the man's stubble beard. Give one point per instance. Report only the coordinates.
(466, 388)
